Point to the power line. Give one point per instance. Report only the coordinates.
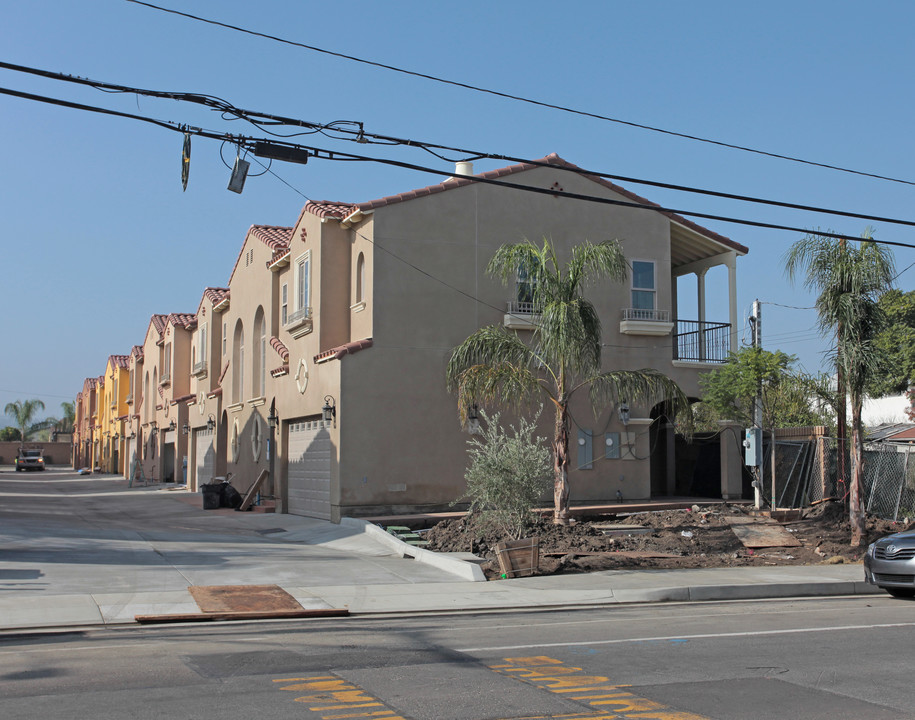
(359, 135)
(519, 98)
(253, 144)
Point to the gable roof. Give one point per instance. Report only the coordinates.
(339, 210)
(119, 361)
(275, 237)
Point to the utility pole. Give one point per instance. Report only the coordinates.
(753, 441)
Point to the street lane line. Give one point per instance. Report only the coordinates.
(675, 638)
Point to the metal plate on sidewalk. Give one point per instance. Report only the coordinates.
(243, 598)
(760, 532)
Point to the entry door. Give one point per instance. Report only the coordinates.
(204, 457)
(308, 469)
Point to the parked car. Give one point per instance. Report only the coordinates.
(28, 459)
(890, 564)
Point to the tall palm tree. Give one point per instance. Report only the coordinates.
(850, 280)
(563, 355)
(23, 414)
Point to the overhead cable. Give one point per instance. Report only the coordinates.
(324, 154)
(519, 98)
(358, 134)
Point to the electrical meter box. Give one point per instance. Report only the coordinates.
(753, 447)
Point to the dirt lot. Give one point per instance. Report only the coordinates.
(692, 538)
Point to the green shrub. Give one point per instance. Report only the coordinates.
(508, 474)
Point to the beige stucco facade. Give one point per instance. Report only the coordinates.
(357, 308)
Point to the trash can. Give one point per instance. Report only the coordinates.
(212, 495)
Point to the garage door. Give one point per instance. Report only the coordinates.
(204, 456)
(308, 471)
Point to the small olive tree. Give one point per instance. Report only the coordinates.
(510, 470)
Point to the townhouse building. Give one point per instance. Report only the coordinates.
(323, 360)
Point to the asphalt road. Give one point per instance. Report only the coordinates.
(818, 658)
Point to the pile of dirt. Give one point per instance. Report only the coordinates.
(700, 537)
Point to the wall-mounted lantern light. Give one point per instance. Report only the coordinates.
(272, 419)
(154, 427)
(329, 411)
(624, 413)
(172, 425)
(185, 429)
(211, 422)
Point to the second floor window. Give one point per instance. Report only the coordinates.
(644, 289)
(303, 281)
(284, 305)
(526, 289)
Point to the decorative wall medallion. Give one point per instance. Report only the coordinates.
(301, 376)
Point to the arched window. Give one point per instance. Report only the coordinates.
(258, 368)
(360, 278)
(145, 395)
(238, 363)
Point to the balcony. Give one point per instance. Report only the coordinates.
(165, 379)
(129, 399)
(521, 315)
(702, 342)
(638, 321)
(200, 369)
(299, 322)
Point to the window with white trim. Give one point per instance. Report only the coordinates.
(644, 285)
(303, 281)
(284, 305)
(360, 278)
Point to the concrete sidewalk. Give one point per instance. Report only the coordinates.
(82, 552)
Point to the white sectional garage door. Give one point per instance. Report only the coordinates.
(131, 449)
(204, 456)
(308, 471)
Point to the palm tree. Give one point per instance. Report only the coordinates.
(564, 352)
(66, 422)
(23, 414)
(850, 281)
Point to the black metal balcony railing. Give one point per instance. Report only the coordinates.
(702, 341)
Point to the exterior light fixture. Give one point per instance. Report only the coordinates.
(185, 429)
(211, 422)
(329, 411)
(624, 413)
(473, 419)
(154, 427)
(117, 436)
(272, 419)
(171, 425)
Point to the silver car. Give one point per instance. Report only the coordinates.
(890, 564)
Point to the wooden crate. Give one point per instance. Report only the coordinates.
(518, 558)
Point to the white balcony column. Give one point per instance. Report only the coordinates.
(700, 289)
(732, 299)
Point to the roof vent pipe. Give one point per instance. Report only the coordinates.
(463, 168)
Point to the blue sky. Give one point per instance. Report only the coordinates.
(93, 216)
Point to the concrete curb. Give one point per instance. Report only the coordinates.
(464, 570)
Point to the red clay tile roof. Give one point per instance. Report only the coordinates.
(137, 352)
(216, 393)
(183, 398)
(159, 322)
(273, 236)
(224, 371)
(281, 349)
(347, 349)
(119, 360)
(184, 320)
(280, 371)
(216, 295)
(338, 210)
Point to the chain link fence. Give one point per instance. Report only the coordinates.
(810, 470)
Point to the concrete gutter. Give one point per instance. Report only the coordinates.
(468, 571)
